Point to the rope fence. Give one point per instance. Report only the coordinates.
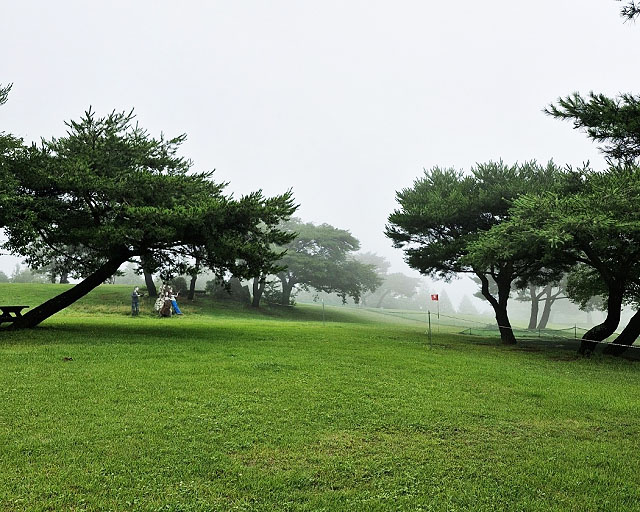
(569, 337)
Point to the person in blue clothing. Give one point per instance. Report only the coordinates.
(173, 296)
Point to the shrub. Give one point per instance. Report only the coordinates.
(273, 294)
(231, 290)
(179, 285)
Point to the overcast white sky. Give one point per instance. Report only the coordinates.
(343, 101)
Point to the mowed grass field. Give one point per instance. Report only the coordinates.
(228, 408)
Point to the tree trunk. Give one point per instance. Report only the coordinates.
(64, 277)
(626, 338)
(259, 283)
(148, 278)
(384, 295)
(192, 287)
(546, 311)
(59, 302)
(287, 287)
(194, 277)
(151, 286)
(607, 328)
(499, 307)
(535, 306)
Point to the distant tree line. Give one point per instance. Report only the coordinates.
(317, 257)
(22, 274)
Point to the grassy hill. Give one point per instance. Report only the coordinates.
(228, 408)
(116, 300)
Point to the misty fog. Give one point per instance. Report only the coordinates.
(344, 102)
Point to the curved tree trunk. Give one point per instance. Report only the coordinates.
(499, 307)
(148, 279)
(194, 278)
(259, 283)
(151, 286)
(287, 287)
(605, 329)
(192, 287)
(59, 302)
(546, 311)
(626, 338)
(535, 306)
(384, 295)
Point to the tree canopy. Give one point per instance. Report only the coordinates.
(108, 191)
(596, 224)
(444, 217)
(612, 122)
(321, 257)
(631, 10)
(10, 146)
(393, 285)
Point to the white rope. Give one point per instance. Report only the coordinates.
(492, 326)
(608, 343)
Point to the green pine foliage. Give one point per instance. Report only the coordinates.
(322, 257)
(108, 192)
(612, 122)
(443, 220)
(631, 10)
(592, 221)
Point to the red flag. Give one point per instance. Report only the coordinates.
(434, 296)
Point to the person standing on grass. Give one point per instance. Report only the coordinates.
(135, 301)
(174, 302)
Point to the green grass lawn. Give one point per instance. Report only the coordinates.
(228, 408)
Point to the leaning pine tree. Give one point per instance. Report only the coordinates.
(445, 215)
(593, 226)
(108, 192)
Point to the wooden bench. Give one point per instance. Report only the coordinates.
(10, 314)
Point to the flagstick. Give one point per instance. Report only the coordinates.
(436, 298)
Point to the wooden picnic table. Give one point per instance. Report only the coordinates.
(11, 313)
